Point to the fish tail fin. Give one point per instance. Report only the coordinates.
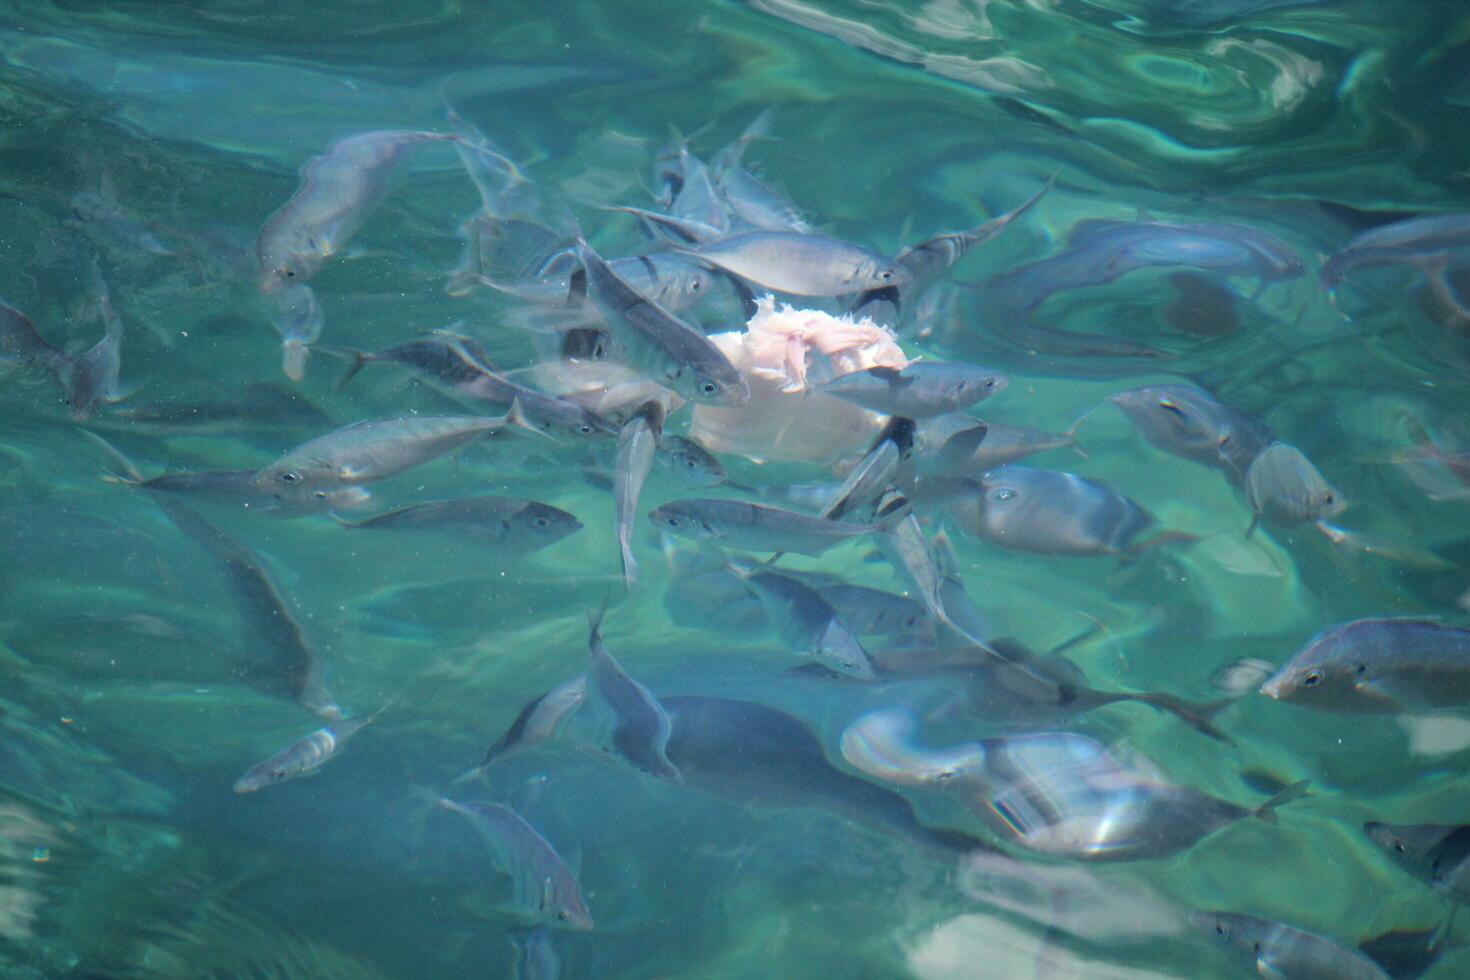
(470, 775)
(1071, 431)
(1267, 811)
(1196, 716)
(594, 620)
(358, 359)
(515, 416)
(630, 566)
(1400, 552)
(131, 475)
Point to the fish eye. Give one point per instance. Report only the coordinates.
(290, 476)
(1362, 669)
(696, 285)
(1312, 679)
(989, 383)
(1327, 497)
(1398, 845)
(709, 388)
(671, 521)
(1219, 930)
(1003, 493)
(585, 429)
(885, 274)
(539, 522)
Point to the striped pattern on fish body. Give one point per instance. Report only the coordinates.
(301, 757)
(800, 263)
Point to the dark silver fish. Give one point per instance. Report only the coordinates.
(1193, 424)
(1283, 487)
(365, 452)
(802, 264)
(689, 462)
(654, 341)
(637, 443)
(877, 472)
(460, 367)
(1378, 665)
(302, 757)
(274, 655)
(1438, 854)
(1274, 949)
(920, 391)
(538, 721)
(746, 526)
(1055, 793)
(1425, 243)
(808, 624)
(506, 523)
(1052, 513)
(88, 379)
(641, 726)
(544, 888)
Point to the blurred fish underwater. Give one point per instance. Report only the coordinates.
(711, 489)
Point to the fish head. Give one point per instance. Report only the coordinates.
(1407, 846)
(681, 520)
(1174, 418)
(978, 385)
(717, 383)
(1283, 485)
(262, 776)
(1223, 928)
(292, 483)
(691, 462)
(565, 906)
(1312, 679)
(542, 524)
(877, 272)
(282, 268)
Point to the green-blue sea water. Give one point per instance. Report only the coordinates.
(123, 850)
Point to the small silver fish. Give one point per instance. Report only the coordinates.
(1053, 513)
(1425, 243)
(543, 886)
(936, 446)
(654, 341)
(1283, 487)
(365, 452)
(539, 720)
(304, 756)
(637, 444)
(1376, 666)
(641, 726)
(337, 192)
(920, 391)
(1274, 949)
(808, 624)
(876, 472)
(689, 462)
(506, 523)
(1193, 424)
(755, 527)
(802, 264)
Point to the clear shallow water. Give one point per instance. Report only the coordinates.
(125, 852)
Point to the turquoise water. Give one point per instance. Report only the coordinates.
(127, 714)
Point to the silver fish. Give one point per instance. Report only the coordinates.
(656, 342)
(689, 462)
(338, 191)
(297, 317)
(637, 444)
(641, 726)
(936, 449)
(1378, 665)
(1438, 854)
(1193, 424)
(88, 379)
(1426, 243)
(809, 625)
(1053, 513)
(755, 527)
(1055, 793)
(802, 264)
(920, 391)
(1283, 487)
(543, 886)
(876, 472)
(365, 452)
(302, 757)
(506, 523)
(460, 367)
(538, 721)
(1274, 949)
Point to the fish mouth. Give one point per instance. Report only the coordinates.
(1274, 689)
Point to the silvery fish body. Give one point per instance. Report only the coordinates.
(809, 625)
(1274, 949)
(1283, 487)
(540, 719)
(637, 445)
(1415, 241)
(654, 341)
(297, 317)
(877, 472)
(1438, 854)
(920, 391)
(1055, 793)
(301, 757)
(239, 487)
(754, 527)
(756, 204)
(1378, 665)
(640, 725)
(337, 193)
(508, 523)
(365, 452)
(544, 888)
(1193, 424)
(689, 462)
(672, 281)
(1055, 513)
(802, 264)
(1000, 445)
